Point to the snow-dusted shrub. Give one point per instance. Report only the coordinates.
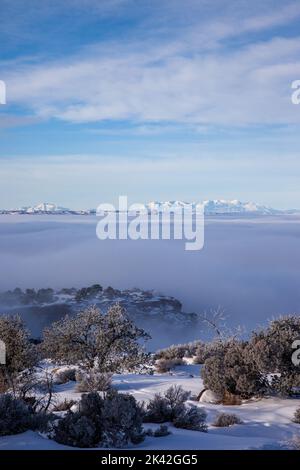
(176, 397)
(162, 431)
(166, 407)
(297, 416)
(20, 353)
(65, 375)
(193, 347)
(178, 351)
(213, 375)
(76, 430)
(94, 381)
(226, 419)
(231, 370)
(271, 350)
(201, 354)
(112, 421)
(285, 383)
(91, 406)
(165, 365)
(15, 415)
(122, 420)
(109, 341)
(172, 352)
(82, 428)
(192, 418)
(157, 410)
(204, 351)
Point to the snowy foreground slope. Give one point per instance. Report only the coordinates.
(266, 423)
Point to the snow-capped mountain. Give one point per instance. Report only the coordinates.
(45, 207)
(211, 207)
(221, 206)
(216, 206)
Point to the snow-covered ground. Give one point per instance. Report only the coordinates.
(267, 423)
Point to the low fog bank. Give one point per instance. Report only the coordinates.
(249, 266)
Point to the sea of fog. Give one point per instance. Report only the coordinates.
(250, 266)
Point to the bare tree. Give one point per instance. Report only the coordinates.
(216, 320)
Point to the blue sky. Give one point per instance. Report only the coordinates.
(165, 99)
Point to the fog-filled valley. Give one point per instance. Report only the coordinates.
(249, 266)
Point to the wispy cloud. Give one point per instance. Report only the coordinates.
(188, 76)
(250, 85)
(158, 70)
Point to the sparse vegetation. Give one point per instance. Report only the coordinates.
(165, 365)
(112, 421)
(226, 419)
(171, 407)
(35, 386)
(93, 381)
(17, 417)
(179, 351)
(166, 407)
(242, 368)
(76, 430)
(157, 410)
(192, 418)
(98, 345)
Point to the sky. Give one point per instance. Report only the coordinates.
(153, 99)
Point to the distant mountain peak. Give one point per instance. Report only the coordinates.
(211, 207)
(217, 206)
(44, 207)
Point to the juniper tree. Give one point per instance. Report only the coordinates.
(271, 351)
(20, 354)
(231, 370)
(110, 342)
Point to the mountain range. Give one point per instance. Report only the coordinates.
(211, 207)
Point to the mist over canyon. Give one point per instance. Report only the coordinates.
(250, 265)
